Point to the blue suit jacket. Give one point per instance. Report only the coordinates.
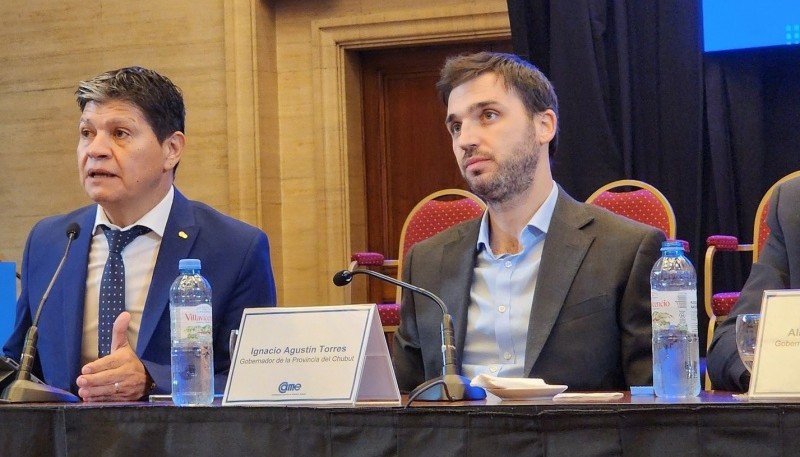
(235, 258)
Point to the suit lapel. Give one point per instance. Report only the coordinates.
(180, 234)
(458, 263)
(564, 250)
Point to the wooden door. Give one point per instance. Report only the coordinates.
(407, 150)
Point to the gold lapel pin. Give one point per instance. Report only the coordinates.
(183, 234)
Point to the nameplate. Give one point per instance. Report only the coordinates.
(311, 356)
(776, 366)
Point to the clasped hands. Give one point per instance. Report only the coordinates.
(119, 376)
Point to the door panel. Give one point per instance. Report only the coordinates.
(407, 151)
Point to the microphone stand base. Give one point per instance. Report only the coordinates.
(26, 391)
(449, 387)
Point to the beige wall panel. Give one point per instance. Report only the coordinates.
(268, 131)
(319, 106)
(273, 113)
(47, 47)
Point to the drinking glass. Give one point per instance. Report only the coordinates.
(746, 333)
(232, 341)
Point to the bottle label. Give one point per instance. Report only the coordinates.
(676, 308)
(194, 322)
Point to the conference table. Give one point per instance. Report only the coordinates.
(712, 424)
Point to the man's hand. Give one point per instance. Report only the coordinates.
(119, 376)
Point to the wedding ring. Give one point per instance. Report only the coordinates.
(116, 387)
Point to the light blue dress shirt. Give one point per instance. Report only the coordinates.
(501, 299)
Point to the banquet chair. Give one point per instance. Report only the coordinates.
(643, 203)
(718, 305)
(433, 214)
(639, 201)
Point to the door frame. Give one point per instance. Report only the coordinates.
(337, 93)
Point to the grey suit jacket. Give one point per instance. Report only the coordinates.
(778, 267)
(590, 322)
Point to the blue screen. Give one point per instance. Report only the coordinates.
(8, 299)
(739, 24)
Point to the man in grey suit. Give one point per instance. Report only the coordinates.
(542, 285)
(778, 267)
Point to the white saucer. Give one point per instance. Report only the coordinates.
(528, 393)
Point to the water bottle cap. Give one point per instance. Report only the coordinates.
(189, 264)
(674, 245)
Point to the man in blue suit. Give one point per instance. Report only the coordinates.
(131, 140)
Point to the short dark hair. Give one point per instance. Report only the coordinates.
(532, 86)
(159, 99)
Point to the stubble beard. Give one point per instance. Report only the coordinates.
(512, 177)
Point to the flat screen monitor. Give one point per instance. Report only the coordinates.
(742, 24)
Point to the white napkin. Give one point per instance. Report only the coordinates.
(493, 382)
(576, 396)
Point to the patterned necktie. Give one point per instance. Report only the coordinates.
(112, 284)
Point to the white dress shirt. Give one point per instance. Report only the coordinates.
(140, 262)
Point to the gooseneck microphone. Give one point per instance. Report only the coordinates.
(23, 389)
(450, 386)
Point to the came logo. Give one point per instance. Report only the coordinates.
(288, 387)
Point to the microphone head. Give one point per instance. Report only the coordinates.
(73, 230)
(342, 278)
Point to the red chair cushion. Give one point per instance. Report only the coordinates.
(763, 228)
(723, 242)
(435, 216)
(368, 258)
(722, 303)
(389, 314)
(640, 205)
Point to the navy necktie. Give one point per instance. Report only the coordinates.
(112, 284)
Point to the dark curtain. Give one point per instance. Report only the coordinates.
(639, 99)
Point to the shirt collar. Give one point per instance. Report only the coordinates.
(155, 219)
(538, 224)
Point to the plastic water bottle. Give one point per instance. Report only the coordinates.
(192, 346)
(676, 352)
